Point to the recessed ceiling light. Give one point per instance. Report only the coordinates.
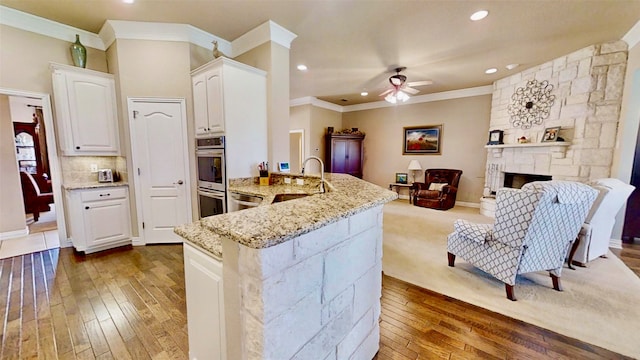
(491, 71)
(128, 1)
(302, 67)
(479, 15)
(364, 93)
(512, 66)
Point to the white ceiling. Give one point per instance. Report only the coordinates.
(350, 46)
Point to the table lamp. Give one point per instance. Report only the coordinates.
(414, 166)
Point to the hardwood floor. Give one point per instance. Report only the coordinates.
(129, 303)
(630, 255)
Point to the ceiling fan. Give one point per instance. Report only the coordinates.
(400, 87)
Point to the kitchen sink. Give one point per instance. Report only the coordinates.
(284, 197)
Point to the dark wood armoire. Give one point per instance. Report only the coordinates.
(344, 153)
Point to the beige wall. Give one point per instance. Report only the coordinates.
(25, 59)
(320, 120)
(11, 206)
(152, 69)
(274, 59)
(300, 118)
(465, 132)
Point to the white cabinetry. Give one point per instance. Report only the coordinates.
(230, 99)
(205, 305)
(99, 218)
(208, 102)
(86, 111)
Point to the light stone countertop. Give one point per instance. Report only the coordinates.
(92, 185)
(271, 224)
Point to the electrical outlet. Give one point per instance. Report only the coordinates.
(300, 181)
(287, 180)
(94, 168)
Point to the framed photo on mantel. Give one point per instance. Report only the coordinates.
(495, 137)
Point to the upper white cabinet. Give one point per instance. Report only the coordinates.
(86, 111)
(224, 90)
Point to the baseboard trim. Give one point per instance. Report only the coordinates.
(14, 234)
(137, 241)
(615, 243)
(468, 204)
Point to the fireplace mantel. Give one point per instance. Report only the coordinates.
(558, 149)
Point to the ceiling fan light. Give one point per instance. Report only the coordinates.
(402, 96)
(390, 98)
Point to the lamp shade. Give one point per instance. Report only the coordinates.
(414, 165)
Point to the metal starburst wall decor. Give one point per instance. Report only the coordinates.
(531, 104)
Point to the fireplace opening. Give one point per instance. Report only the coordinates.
(516, 180)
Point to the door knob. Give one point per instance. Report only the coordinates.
(180, 182)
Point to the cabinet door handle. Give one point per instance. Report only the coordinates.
(180, 182)
(101, 195)
(86, 208)
(77, 147)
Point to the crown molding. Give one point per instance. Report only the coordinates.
(310, 100)
(35, 24)
(445, 95)
(138, 30)
(632, 37)
(267, 31)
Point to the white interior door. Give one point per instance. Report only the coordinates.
(161, 167)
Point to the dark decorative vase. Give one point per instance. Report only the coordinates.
(79, 53)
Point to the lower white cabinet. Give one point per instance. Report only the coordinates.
(205, 305)
(99, 218)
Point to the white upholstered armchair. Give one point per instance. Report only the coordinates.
(533, 231)
(595, 234)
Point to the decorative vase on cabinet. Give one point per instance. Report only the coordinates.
(79, 53)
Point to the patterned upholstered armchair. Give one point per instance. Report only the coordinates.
(439, 189)
(533, 230)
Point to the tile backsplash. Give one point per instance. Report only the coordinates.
(77, 169)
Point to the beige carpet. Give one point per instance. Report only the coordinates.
(599, 304)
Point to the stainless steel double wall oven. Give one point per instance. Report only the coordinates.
(212, 179)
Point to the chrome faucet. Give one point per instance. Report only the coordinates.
(322, 181)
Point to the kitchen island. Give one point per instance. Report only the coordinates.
(300, 279)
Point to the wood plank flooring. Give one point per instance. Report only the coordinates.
(129, 303)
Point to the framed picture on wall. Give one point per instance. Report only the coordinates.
(401, 178)
(422, 140)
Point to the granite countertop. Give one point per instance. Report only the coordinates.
(271, 224)
(92, 185)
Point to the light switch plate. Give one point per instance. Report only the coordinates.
(94, 168)
(300, 181)
(287, 180)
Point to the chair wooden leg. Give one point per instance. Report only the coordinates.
(574, 247)
(556, 282)
(510, 294)
(452, 258)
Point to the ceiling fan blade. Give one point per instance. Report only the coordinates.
(386, 92)
(411, 91)
(420, 83)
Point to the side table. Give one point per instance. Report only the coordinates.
(399, 186)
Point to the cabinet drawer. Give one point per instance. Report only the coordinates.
(103, 194)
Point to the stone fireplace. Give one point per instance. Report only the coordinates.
(587, 85)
